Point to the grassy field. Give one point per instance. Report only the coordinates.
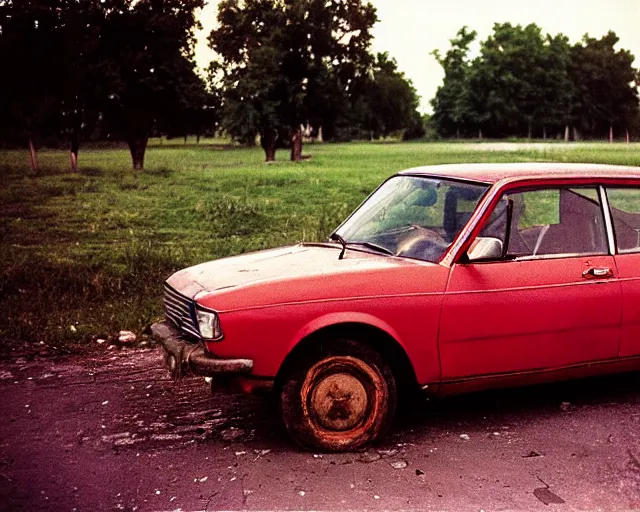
(84, 255)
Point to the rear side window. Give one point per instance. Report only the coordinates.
(625, 213)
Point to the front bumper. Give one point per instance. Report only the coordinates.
(183, 358)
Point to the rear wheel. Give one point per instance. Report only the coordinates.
(339, 396)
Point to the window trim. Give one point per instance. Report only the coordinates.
(614, 238)
(608, 220)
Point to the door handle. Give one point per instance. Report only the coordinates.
(596, 272)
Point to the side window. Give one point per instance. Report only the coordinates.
(549, 221)
(625, 213)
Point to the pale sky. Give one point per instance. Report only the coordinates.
(410, 29)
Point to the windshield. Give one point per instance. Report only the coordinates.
(412, 216)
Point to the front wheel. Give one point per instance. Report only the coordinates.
(340, 396)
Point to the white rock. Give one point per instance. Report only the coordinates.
(464, 437)
(126, 337)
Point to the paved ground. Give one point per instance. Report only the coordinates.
(111, 432)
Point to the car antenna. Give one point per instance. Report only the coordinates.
(343, 242)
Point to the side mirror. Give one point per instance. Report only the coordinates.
(485, 248)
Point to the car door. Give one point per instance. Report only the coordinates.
(551, 299)
(624, 205)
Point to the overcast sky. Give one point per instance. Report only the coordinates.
(410, 29)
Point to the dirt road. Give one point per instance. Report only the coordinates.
(112, 432)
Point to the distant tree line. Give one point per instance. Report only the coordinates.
(524, 83)
(75, 71)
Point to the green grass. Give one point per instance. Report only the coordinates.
(90, 250)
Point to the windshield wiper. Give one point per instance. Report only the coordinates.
(343, 242)
(368, 245)
(375, 247)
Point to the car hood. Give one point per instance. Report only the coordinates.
(290, 273)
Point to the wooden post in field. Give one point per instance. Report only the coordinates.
(627, 134)
(33, 156)
(610, 134)
(566, 133)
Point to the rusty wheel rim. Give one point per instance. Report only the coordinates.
(342, 397)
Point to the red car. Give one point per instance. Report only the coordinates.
(447, 279)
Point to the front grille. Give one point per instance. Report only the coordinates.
(180, 310)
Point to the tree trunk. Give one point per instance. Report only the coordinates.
(529, 129)
(296, 145)
(544, 132)
(566, 133)
(268, 140)
(33, 155)
(480, 134)
(576, 135)
(137, 147)
(627, 135)
(185, 139)
(198, 139)
(457, 133)
(319, 138)
(610, 134)
(73, 150)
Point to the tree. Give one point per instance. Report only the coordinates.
(606, 85)
(558, 91)
(150, 46)
(391, 99)
(30, 49)
(511, 68)
(86, 76)
(284, 63)
(451, 105)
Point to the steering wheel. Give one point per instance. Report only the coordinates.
(430, 233)
(423, 243)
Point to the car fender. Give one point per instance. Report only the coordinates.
(343, 317)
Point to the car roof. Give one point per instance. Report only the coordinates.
(492, 173)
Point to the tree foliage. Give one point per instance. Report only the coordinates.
(525, 83)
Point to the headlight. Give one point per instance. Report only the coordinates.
(208, 324)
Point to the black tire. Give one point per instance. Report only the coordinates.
(339, 396)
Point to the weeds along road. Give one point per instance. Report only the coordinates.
(112, 432)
